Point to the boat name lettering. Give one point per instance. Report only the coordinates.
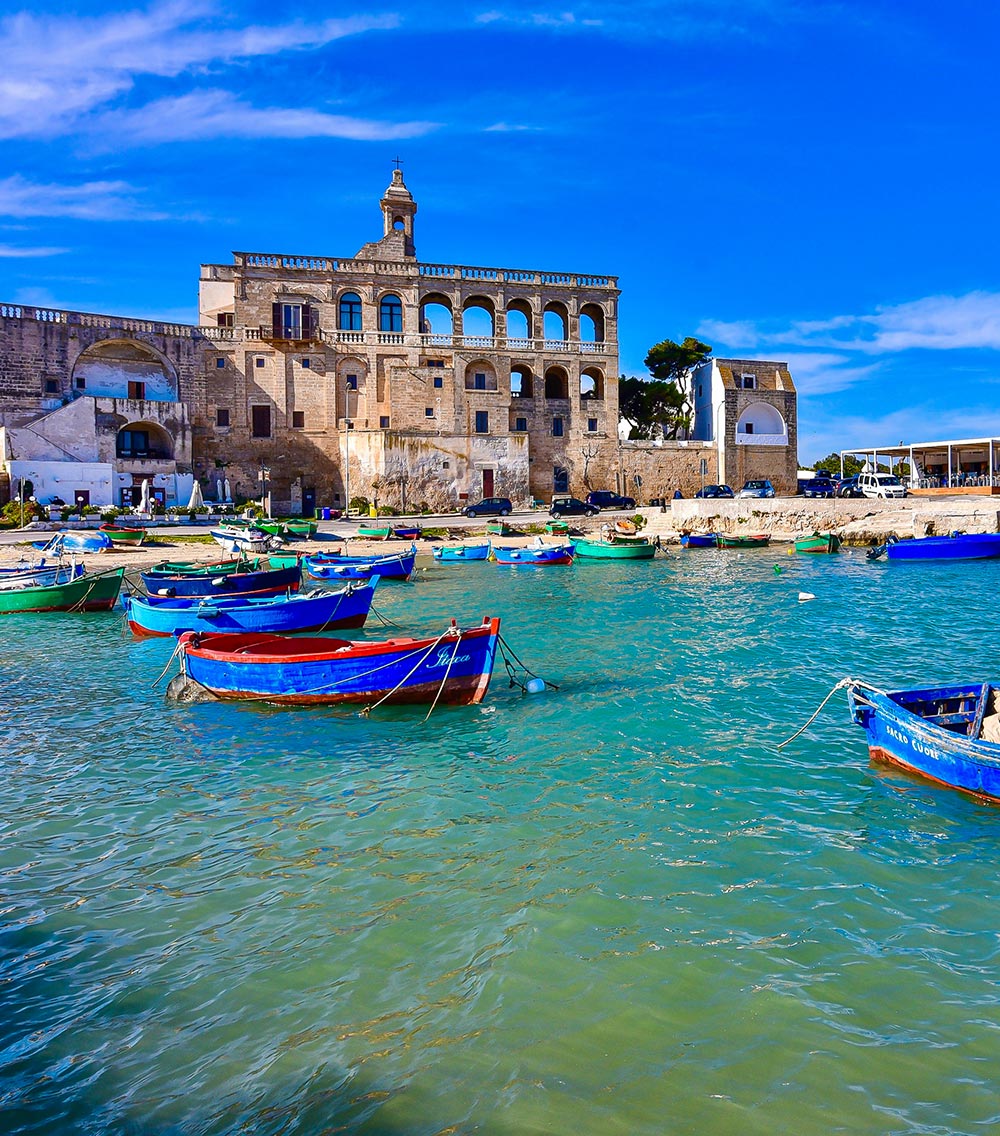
(444, 658)
(914, 743)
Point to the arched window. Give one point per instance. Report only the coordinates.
(436, 319)
(592, 383)
(477, 318)
(555, 322)
(591, 323)
(390, 314)
(556, 383)
(520, 381)
(519, 321)
(349, 316)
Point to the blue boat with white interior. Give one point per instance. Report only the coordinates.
(950, 734)
(459, 553)
(334, 566)
(955, 546)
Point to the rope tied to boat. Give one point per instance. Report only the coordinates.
(505, 651)
(844, 682)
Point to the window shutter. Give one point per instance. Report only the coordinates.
(276, 320)
(312, 322)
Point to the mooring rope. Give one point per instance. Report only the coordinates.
(506, 648)
(447, 671)
(844, 682)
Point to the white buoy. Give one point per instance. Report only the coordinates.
(535, 685)
(803, 596)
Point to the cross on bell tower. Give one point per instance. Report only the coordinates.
(399, 209)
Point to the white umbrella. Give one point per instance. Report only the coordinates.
(218, 490)
(197, 501)
(229, 495)
(144, 498)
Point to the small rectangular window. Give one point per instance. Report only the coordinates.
(557, 427)
(306, 363)
(592, 425)
(480, 381)
(81, 383)
(222, 417)
(226, 319)
(220, 361)
(352, 382)
(260, 418)
(298, 419)
(520, 424)
(383, 422)
(438, 381)
(749, 382)
(51, 386)
(434, 363)
(136, 390)
(259, 361)
(747, 427)
(482, 421)
(428, 411)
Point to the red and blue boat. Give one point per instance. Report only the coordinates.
(956, 546)
(537, 555)
(950, 734)
(225, 583)
(335, 566)
(452, 667)
(286, 615)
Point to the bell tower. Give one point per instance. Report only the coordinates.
(398, 211)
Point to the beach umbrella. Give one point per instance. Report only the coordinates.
(219, 490)
(144, 496)
(197, 501)
(229, 495)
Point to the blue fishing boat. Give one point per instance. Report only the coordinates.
(406, 532)
(460, 552)
(40, 574)
(333, 566)
(537, 555)
(286, 615)
(698, 540)
(68, 540)
(236, 582)
(454, 666)
(950, 734)
(956, 546)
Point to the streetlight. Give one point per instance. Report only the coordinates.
(347, 465)
(265, 494)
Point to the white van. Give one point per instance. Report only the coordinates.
(880, 485)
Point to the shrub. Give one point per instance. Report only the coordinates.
(359, 504)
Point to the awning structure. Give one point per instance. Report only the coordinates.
(968, 464)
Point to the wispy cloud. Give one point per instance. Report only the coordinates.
(57, 69)
(16, 252)
(219, 114)
(89, 201)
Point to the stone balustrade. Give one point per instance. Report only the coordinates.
(744, 439)
(436, 340)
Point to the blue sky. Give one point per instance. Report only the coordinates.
(805, 181)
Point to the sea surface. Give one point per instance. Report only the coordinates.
(615, 907)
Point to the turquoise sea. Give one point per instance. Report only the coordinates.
(611, 908)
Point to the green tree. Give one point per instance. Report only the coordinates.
(662, 402)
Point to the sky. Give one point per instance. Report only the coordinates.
(806, 181)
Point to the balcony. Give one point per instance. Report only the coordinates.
(436, 340)
(744, 439)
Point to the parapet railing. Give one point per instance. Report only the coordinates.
(323, 264)
(90, 319)
(438, 340)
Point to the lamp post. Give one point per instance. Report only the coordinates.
(265, 493)
(347, 465)
(79, 505)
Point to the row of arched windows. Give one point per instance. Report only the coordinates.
(478, 318)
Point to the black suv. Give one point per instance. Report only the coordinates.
(489, 506)
(822, 485)
(605, 499)
(572, 507)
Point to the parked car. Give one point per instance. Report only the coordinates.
(759, 487)
(880, 485)
(490, 506)
(849, 487)
(605, 499)
(715, 491)
(819, 486)
(572, 507)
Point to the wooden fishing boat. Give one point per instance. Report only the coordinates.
(406, 532)
(68, 540)
(460, 552)
(93, 591)
(212, 568)
(40, 574)
(698, 540)
(818, 542)
(239, 540)
(956, 546)
(756, 540)
(950, 734)
(560, 528)
(237, 581)
(120, 534)
(612, 548)
(537, 555)
(286, 615)
(454, 667)
(374, 532)
(303, 529)
(331, 566)
(499, 528)
(284, 559)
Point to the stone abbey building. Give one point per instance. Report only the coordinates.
(319, 379)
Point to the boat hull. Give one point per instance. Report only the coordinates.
(225, 584)
(287, 615)
(330, 566)
(903, 738)
(123, 536)
(91, 592)
(818, 543)
(724, 541)
(454, 667)
(458, 553)
(370, 532)
(614, 550)
(41, 575)
(961, 546)
(698, 540)
(535, 557)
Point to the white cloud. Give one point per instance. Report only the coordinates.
(736, 334)
(57, 69)
(15, 252)
(219, 114)
(89, 201)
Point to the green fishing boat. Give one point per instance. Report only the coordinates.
(818, 542)
(284, 559)
(94, 591)
(556, 527)
(755, 540)
(375, 532)
(303, 529)
(192, 568)
(615, 548)
(499, 528)
(122, 535)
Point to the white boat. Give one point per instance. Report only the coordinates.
(42, 574)
(235, 540)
